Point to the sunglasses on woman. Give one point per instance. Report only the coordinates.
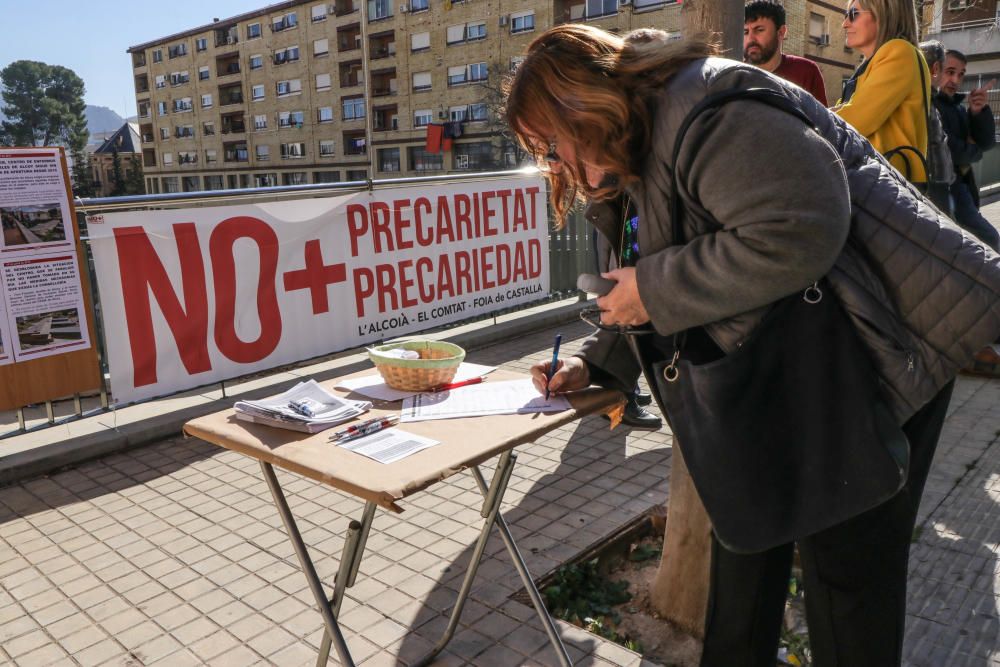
(852, 14)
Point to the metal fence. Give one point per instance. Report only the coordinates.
(571, 252)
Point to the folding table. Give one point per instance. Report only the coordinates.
(464, 443)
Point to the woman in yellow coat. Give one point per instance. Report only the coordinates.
(888, 97)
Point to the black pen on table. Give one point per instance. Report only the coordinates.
(555, 362)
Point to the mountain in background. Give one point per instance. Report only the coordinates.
(102, 119)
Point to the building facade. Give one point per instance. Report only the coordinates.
(277, 96)
(124, 142)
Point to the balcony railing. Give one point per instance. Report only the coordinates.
(239, 155)
(234, 128)
(236, 98)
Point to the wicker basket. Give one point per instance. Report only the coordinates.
(437, 364)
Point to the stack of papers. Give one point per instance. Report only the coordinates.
(490, 398)
(328, 410)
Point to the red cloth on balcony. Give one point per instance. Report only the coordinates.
(434, 134)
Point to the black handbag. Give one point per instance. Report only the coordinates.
(789, 434)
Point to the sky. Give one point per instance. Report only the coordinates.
(91, 37)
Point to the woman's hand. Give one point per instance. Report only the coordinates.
(622, 306)
(571, 374)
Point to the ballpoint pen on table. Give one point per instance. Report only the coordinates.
(365, 428)
(456, 385)
(555, 362)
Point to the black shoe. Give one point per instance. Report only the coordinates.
(642, 399)
(638, 417)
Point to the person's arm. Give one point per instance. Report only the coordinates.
(982, 128)
(963, 151)
(817, 85)
(780, 193)
(888, 80)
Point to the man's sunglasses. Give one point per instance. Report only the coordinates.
(852, 14)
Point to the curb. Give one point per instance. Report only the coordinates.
(51, 457)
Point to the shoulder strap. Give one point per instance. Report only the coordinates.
(713, 101)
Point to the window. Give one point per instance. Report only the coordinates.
(422, 80)
(206, 101)
(257, 92)
(213, 182)
(354, 108)
(260, 122)
(379, 9)
(291, 118)
(321, 47)
(161, 81)
(164, 133)
(201, 44)
(388, 159)
(211, 156)
(295, 178)
(203, 73)
(284, 22)
(478, 112)
(422, 117)
(458, 114)
(265, 180)
(183, 131)
(817, 29)
(326, 177)
(208, 128)
(161, 108)
(293, 151)
(522, 22)
(157, 56)
(168, 159)
(322, 82)
(288, 55)
(600, 8)
(357, 174)
(420, 41)
(289, 87)
(318, 13)
(144, 109)
(256, 61)
(177, 50)
(456, 75)
(326, 148)
(474, 31)
(263, 152)
(178, 78)
(475, 156)
(455, 34)
(478, 72)
(324, 114)
(253, 31)
(419, 5)
(187, 157)
(171, 184)
(420, 160)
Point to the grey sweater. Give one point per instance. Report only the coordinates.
(768, 206)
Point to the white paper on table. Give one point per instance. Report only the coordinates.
(489, 398)
(388, 445)
(373, 386)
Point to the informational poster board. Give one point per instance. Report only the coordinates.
(45, 330)
(194, 296)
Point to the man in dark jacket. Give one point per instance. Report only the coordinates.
(970, 132)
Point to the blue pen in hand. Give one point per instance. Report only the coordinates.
(555, 362)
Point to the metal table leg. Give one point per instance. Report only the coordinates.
(329, 619)
(529, 584)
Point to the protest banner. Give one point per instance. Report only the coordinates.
(195, 296)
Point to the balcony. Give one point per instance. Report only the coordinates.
(345, 7)
(382, 45)
(227, 36)
(385, 118)
(349, 37)
(142, 84)
(148, 157)
(384, 82)
(235, 152)
(234, 127)
(138, 60)
(231, 94)
(227, 65)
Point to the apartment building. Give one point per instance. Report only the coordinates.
(970, 26)
(278, 96)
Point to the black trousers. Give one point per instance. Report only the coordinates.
(854, 578)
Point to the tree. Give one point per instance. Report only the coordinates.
(44, 107)
(135, 184)
(117, 177)
(680, 590)
(83, 184)
(495, 100)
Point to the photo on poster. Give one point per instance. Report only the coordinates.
(45, 305)
(44, 329)
(32, 224)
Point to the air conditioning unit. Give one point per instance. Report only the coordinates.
(403, 9)
(503, 19)
(824, 40)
